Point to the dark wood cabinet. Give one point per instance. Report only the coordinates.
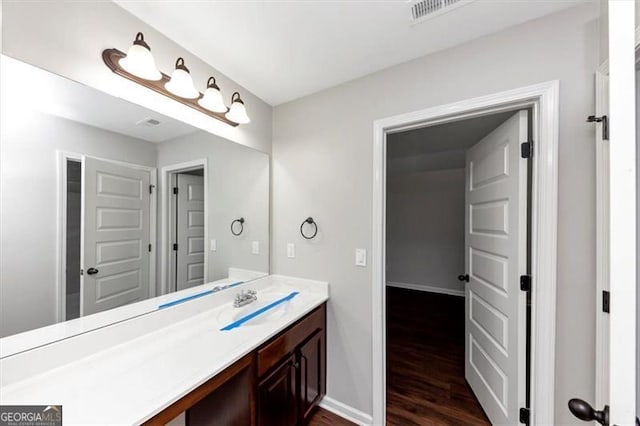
(278, 384)
(311, 359)
(278, 395)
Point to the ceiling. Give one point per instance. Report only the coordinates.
(61, 97)
(438, 147)
(283, 50)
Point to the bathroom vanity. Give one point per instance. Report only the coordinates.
(187, 358)
(277, 384)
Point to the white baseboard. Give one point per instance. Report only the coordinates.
(427, 288)
(346, 412)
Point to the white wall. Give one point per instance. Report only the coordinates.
(238, 186)
(28, 194)
(68, 37)
(425, 230)
(322, 166)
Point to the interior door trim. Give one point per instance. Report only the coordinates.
(543, 98)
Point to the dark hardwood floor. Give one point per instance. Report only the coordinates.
(324, 417)
(425, 361)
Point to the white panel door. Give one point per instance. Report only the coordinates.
(115, 231)
(190, 231)
(495, 256)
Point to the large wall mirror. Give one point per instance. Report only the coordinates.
(106, 205)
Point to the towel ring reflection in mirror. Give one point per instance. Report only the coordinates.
(241, 222)
(310, 221)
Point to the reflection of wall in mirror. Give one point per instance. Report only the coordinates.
(238, 185)
(29, 206)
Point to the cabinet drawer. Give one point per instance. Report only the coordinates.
(272, 352)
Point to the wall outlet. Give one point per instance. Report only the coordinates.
(291, 250)
(361, 257)
(213, 245)
(255, 247)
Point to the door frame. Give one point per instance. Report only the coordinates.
(543, 98)
(61, 225)
(165, 217)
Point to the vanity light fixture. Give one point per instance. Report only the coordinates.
(181, 83)
(237, 113)
(139, 66)
(212, 99)
(139, 60)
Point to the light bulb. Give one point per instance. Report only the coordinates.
(212, 99)
(181, 83)
(237, 112)
(139, 60)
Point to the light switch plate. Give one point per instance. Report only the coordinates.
(361, 257)
(255, 247)
(213, 245)
(291, 250)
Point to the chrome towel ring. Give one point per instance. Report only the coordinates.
(310, 221)
(241, 222)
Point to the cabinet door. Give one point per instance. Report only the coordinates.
(277, 396)
(312, 377)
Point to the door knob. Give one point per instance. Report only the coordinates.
(464, 277)
(92, 271)
(585, 412)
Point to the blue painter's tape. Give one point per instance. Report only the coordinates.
(197, 295)
(185, 299)
(260, 311)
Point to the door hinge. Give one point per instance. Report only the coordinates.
(606, 301)
(605, 124)
(525, 416)
(149, 247)
(526, 149)
(525, 282)
(175, 190)
(151, 189)
(175, 247)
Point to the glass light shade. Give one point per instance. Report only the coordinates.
(139, 60)
(237, 112)
(212, 100)
(181, 83)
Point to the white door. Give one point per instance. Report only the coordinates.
(190, 231)
(622, 214)
(495, 256)
(115, 235)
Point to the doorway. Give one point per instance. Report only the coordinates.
(542, 99)
(184, 229)
(188, 226)
(107, 236)
(456, 234)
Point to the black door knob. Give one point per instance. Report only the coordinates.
(92, 271)
(464, 277)
(585, 412)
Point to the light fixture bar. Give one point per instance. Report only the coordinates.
(111, 58)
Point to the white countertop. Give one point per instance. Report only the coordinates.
(159, 358)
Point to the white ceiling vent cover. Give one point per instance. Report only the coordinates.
(148, 122)
(422, 10)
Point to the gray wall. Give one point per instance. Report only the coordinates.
(68, 37)
(28, 194)
(238, 186)
(425, 229)
(322, 166)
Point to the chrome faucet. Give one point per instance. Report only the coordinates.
(244, 298)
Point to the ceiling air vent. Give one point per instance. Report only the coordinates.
(425, 9)
(148, 122)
